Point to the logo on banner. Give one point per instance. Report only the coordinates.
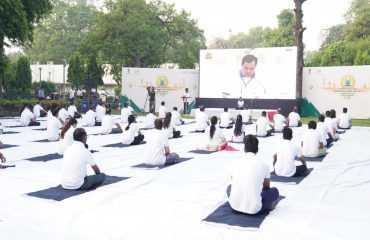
(347, 87)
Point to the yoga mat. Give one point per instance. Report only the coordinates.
(188, 123)
(10, 132)
(341, 132)
(225, 215)
(6, 166)
(7, 146)
(43, 141)
(199, 151)
(45, 158)
(58, 193)
(296, 180)
(121, 145)
(315, 159)
(40, 129)
(14, 126)
(195, 132)
(147, 166)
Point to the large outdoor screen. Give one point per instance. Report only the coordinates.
(264, 73)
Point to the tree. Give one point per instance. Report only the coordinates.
(299, 29)
(18, 18)
(283, 35)
(60, 35)
(358, 20)
(93, 75)
(23, 75)
(335, 34)
(76, 70)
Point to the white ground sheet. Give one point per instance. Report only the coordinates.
(331, 203)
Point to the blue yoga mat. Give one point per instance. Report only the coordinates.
(43, 141)
(58, 193)
(188, 123)
(40, 129)
(14, 126)
(7, 146)
(45, 158)
(315, 159)
(6, 166)
(147, 166)
(341, 132)
(121, 145)
(10, 132)
(224, 214)
(199, 151)
(236, 142)
(296, 180)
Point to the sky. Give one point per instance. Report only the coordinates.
(219, 18)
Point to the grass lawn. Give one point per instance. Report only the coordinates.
(355, 122)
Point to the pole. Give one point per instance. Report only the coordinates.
(64, 80)
(40, 68)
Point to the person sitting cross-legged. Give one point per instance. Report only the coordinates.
(214, 137)
(239, 130)
(284, 157)
(262, 124)
(108, 122)
(131, 133)
(225, 119)
(250, 190)
(75, 159)
(312, 143)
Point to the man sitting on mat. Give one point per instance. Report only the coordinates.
(344, 120)
(284, 154)
(294, 120)
(201, 120)
(279, 121)
(225, 119)
(108, 122)
(250, 190)
(262, 125)
(323, 130)
(27, 117)
(246, 115)
(312, 143)
(75, 159)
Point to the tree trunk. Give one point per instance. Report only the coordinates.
(299, 29)
(2, 64)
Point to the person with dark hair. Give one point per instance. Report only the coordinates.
(246, 115)
(2, 157)
(125, 112)
(63, 113)
(169, 127)
(294, 120)
(151, 95)
(239, 130)
(250, 190)
(27, 117)
(333, 117)
(158, 150)
(53, 125)
(312, 143)
(284, 156)
(66, 135)
(100, 111)
(108, 122)
(185, 98)
(214, 137)
(131, 134)
(38, 110)
(76, 158)
(330, 124)
(176, 117)
(225, 119)
(279, 121)
(162, 110)
(72, 110)
(201, 120)
(324, 132)
(90, 116)
(344, 120)
(149, 119)
(262, 125)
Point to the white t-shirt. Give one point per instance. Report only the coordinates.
(344, 120)
(240, 103)
(329, 123)
(248, 175)
(107, 124)
(129, 135)
(52, 129)
(74, 162)
(36, 110)
(125, 112)
(311, 143)
(294, 118)
(176, 118)
(63, 114)
(156, 143)
(201, 120)
(72, 109)
(286, 152)
(240, 137)
(262, 125)
(100, 113)
(225, 119)
(169, 130)
(26, 117)
(162, 111)
(90, 118)
(149, 120)
(246, 115)
(279, 121)
(217, 137)
(66, 141)
(72, 93)
(323, 130)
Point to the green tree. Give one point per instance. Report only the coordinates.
(76, 70)
(18, 18)
(23, 75)
(284, 34)
(335, 34)
(94, 73)
(358, 20)
(48, 86)
(59, 35)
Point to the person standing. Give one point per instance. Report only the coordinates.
(186, 97)
(151, 94)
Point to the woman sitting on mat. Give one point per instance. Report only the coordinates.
(132, 134)
(215, 138)
(239, 130)
(169, 127)
(66, 135)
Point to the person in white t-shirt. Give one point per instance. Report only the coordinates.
(158, 150)
(2, 158)
(176, 117)
(262, 125)
(63, 114)
(100, 111)
(131, 134)
(225, 119)
(75, 159)
(201, 120)
(330, 124)
(108, 123)
(38, 110)
(27, 117)
(125, 112)
(214, 137)
(239, 130)
(149, 119)
(312, 143)
(53, 126)
(66, 135)
(72, 110)
(294, 120)
(250, 190)
(169, 127)
(344, 120)
(284, 156)
(72, 94)
(90, 116)
(246, 115)
(324, 132)
(240, 104)
(279, 121)
(162, 110)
